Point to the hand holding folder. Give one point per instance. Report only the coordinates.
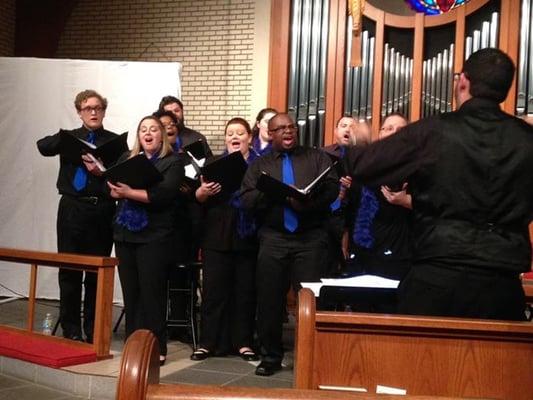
(228, 171)
(278, 190)
(72, 147)
(137, 172)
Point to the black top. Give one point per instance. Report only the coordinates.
(188, 136)
(161, 208)
(221, 219)
(50, 146)
(470, 175)
(390, 253)
(307, 164)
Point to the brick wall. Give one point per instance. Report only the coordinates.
(7, 28)
(213, 39)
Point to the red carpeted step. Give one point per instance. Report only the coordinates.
(43, 350)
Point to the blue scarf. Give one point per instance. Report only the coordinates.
(177, 145)
(246, 225)
(368, 208)
(132, 215)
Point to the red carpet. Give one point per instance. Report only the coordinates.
(43, 350)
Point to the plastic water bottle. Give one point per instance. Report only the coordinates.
(48, 324)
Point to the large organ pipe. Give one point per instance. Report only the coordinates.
(294, 72)
(371, 45)
(523, 58)
(494, 30)
(438, 82)
(322, 72)
(385, 83)
(364, 75)
(530, 56)
(450, 78)
(485, 34)
(303, 101)
(349, 92)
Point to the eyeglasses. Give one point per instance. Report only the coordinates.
(171, 125)
(89, 110)
(283, 128)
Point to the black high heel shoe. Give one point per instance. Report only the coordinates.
(200, 354)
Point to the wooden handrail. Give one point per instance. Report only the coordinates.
(139, 380)
(49, 259)
(104, 267)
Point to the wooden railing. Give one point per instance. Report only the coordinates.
(104, 267)
(139, 380)
(424, 355)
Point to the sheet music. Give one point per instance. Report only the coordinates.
(369, 281)
(308, 188)
(97, 162)
(366, 281)
(190, 172)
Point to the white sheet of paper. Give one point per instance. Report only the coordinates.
(380, 389)
(314, 286)
(368, 281)
(343, 388)
(190, 172)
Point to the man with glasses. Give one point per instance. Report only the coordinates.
(292, 239)
(84, 217)
(469, 174)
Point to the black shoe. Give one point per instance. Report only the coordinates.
(89, 339)
(267, 368)
(248, 355)
(79, 338)
(162, 360)
(200, 355)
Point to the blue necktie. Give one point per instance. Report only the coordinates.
(290, 220)
(337, 202)
(80, 177)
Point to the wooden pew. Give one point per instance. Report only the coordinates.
(104, 267)
(424, 355)
(139, 380)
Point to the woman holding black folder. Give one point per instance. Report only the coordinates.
(144, 233)
(229, 254)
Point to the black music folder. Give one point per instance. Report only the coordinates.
(276, 189)
(137, 172)
(73, 147)
(196, 150)
(339, 164)
(228, 171)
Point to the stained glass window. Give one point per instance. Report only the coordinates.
(434, 7)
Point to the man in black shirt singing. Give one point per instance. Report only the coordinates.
(292, 240)
(84, 215)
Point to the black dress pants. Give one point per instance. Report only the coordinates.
(228, 300)
(284, 258)
(335, 230)
(143, 271)
(461, 291)
(83, 227)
